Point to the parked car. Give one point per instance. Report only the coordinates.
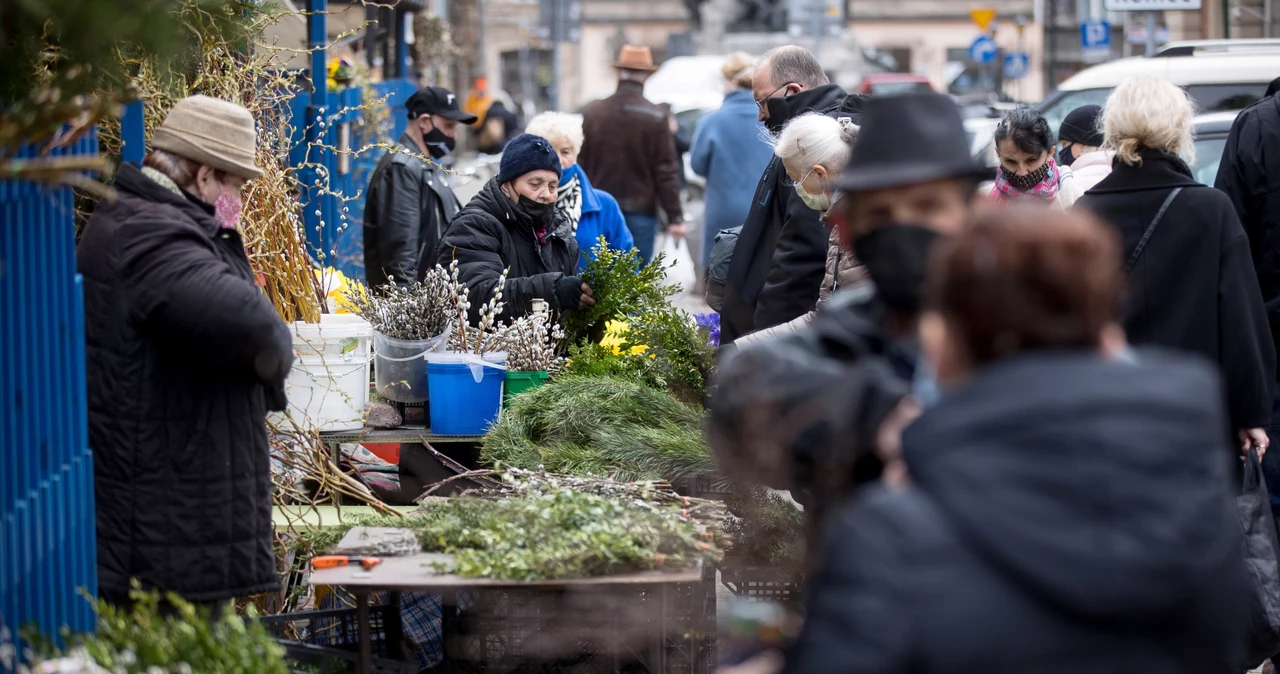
(1221, 75)
(881, 84)
(1211, 136)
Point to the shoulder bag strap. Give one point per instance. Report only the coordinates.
(1151, 228)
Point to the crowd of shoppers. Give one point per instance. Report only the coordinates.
(1014, 416)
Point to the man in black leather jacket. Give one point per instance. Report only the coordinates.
(410, 203)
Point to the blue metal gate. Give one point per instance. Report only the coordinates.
(47, 542)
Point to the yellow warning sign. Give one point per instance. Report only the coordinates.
(983, 17)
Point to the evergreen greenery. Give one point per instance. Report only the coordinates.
(62, 58)
(548, 530)
(603, 426)
(166, 634)
(622, 287)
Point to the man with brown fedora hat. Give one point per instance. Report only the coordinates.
(628, 151)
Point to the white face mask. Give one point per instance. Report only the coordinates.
(819, 202)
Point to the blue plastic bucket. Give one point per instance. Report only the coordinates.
(466, 392)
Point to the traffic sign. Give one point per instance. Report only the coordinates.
(1016, 65)
(983, 17)
(983, 49)
(1095, 34)
(1150, 5)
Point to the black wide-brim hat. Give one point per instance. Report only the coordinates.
(907, 140)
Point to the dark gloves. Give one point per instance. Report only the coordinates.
(569, 292)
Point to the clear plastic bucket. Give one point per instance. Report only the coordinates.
(400, 368)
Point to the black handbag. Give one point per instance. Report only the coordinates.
(1261, 551)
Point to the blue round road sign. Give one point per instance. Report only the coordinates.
(983, 49)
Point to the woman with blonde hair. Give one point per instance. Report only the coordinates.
(730, 151)
(1191, 282)
(589, 213)
(813, 149)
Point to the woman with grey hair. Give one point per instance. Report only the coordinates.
(184, 358)
(589, 213)
(813, 149)
(1192, 285)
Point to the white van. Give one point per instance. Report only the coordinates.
(1220, 75)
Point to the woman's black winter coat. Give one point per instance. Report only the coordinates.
(185, 357)
(1194, 287)
(1066, 514)
(490, 235)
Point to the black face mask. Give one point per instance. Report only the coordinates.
(438, 144)
(896, 257)
(779, 114)
(536, 211)
(1065, 158)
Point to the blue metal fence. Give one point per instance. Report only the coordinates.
(47, 543)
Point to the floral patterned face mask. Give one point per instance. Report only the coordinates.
(227, 208)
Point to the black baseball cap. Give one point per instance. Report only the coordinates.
(437, 101)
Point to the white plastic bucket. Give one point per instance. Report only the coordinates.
(328, 387)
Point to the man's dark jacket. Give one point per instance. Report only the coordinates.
(781, 254)
(410, 204)
(628, 151)
(1065, 514)
(1193, 288)
(185, 357)
(490, 235)
(812, 400)
(1250, 175)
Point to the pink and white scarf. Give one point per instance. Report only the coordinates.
(1046, 188)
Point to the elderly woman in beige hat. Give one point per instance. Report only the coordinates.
(185, 357)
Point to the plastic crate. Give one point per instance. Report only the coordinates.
(327, 641)
(763, 585)
(647, 629)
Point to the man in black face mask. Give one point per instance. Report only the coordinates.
(781, 254)
(802, 411)
(410, 202)
(513, 225)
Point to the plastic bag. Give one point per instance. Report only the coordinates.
(1261, 551)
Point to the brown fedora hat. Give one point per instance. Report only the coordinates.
(635, 57)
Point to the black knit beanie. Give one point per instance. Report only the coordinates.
(1081, 126)
(526, 153)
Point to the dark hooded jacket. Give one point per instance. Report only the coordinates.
(1250, 175)
(184, 357)
(491, 235)
(781, 253)
(1194, 287)
(409, 206)
(1066, 514)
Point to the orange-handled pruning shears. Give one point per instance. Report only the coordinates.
(333, 561)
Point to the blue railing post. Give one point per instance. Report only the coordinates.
(133, 132)
(47, 534)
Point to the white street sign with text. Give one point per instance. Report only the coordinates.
(1150, 5)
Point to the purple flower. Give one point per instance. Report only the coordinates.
(711, 323)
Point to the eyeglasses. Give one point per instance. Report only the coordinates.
(762, 102)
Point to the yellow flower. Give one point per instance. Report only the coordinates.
(615, 334)
(335, 284)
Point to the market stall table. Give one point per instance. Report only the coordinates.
(416, 573)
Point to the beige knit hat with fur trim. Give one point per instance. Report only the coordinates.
(210, 131)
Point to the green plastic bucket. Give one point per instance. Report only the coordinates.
(519, 382)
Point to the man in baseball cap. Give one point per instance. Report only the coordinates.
(410, 202)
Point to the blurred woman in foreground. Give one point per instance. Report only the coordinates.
(1063, 510)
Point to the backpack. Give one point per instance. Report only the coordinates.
(718, 265)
